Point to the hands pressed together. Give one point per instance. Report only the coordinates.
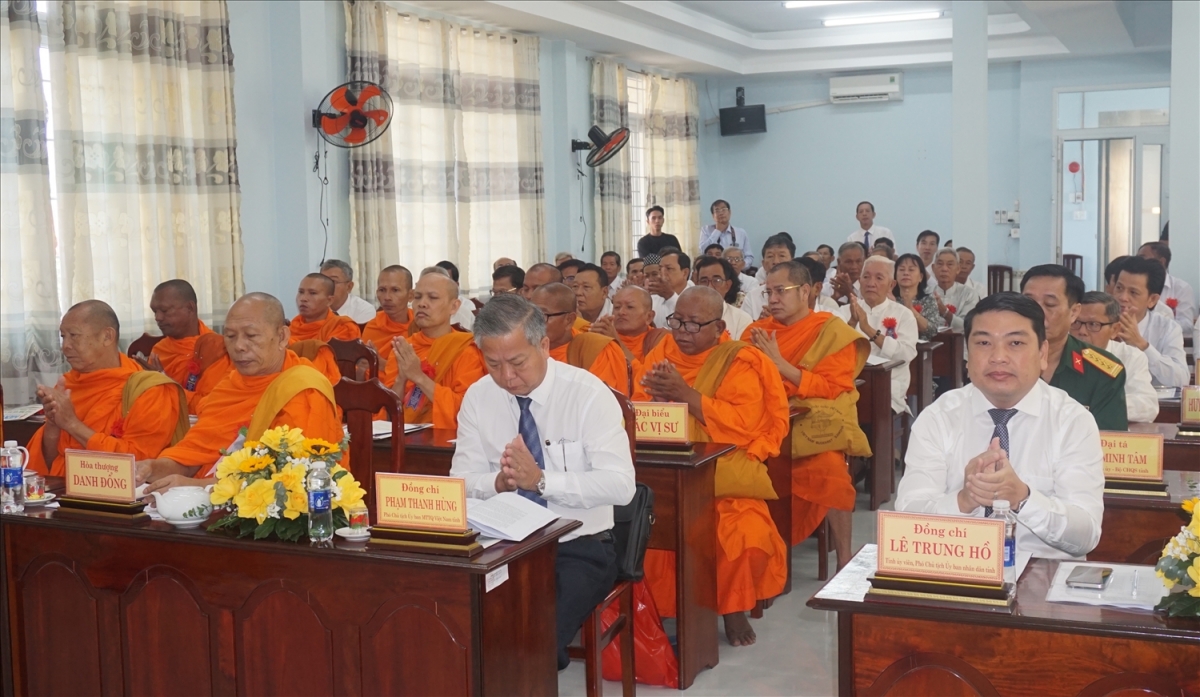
(989, 477)
(518, 469)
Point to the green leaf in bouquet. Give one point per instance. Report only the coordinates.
(265, 530)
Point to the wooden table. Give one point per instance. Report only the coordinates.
(1041, 648)
(91, 607)
(1178, 453)
(875, 417)
(686, 523)
(920, 382)
(22, 431)
(1168, 411)
(950, 358)
(1136, 528)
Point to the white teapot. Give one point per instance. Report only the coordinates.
(184, 506)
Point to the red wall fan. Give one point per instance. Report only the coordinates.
(353, 114)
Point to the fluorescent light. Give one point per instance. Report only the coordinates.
(801, 4)
(881, 19)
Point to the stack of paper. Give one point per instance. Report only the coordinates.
(1130, 586)
(508, 516)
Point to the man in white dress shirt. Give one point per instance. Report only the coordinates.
(344, 303)
(750, 286)
(966, 264)
(851, 256)
(722, 232)
(718, 274)
(817, 300)
(611, 263)
(868, 231)
(1177, 296)
(554, 434)
(888, 325)
(673, 276)
(591, 294)
(1139, 286)
(1010, 436)
(1099, 315)
(927, 249)
(953, 298)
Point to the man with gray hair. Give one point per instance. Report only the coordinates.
(954, 300)
(1099, 316)
(552, 433)
(344, 303)
(888, 325)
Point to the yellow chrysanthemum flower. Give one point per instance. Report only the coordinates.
(1194, 526)
(252, 502)
(352, 493)
(283, 438)
(232, 463)
(225, 489)
(255, 463)
(297, 503)
(315, 447)
(1189, 505)
(292, 477)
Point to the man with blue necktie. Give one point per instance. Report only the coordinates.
(552, 433)
(1010, 436)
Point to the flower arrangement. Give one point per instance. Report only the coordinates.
(263, 486)
(1179, 568)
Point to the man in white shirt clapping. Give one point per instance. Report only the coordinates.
(554, 434)
(1139, 286)
(1177, 296)
(888, 325)
(1010, 436)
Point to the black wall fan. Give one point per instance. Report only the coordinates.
(603, 145)
(353, 114)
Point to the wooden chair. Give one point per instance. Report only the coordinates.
(1074, 262)
(779, 470)
(360, 402)
(355, 360)
(999, 278)
(143, 345)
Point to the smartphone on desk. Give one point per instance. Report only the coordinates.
(1094, 578)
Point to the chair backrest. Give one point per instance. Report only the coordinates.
(630, 420)
(355, 360)
(1074, 262)
(999, 278)
(143, 345)
(360, 402)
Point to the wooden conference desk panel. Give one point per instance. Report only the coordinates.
(1136, 528)
(1178, 453)
(152, 610)
(875, 417)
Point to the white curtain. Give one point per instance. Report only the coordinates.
(146, 168)
(29, 309)
(672, 131)
(458, 173)
(613, 191)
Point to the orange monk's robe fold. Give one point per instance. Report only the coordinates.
(748, 410)
(96, 396)
(599, 355)
(380, 332)
(202, 355)
(334, 326)
(230, 405)
(456, 364)
(821, 480)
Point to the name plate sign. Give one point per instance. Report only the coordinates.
(100, 476)
(662, 422)
(942, 548)
(1135, 456)
(421, 502)
(1189, 405)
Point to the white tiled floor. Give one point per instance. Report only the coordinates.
(796, 653)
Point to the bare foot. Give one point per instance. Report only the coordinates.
(738, 629)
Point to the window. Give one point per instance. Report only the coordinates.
(43, 7)
(638, 88)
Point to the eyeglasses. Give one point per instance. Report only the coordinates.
(768, 293)
(1091, 326)
(557, 314)
(710, 282)
(690, 327)
(498, 291)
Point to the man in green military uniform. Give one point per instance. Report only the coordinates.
(1093, 377)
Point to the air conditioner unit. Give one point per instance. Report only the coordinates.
(880, 87)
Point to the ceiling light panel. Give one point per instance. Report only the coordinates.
(881, 19)
(801, 4)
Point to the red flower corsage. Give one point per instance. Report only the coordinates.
(118, 428)
(193, 375)
(889, 325)
(917, 307)
(1172, 303)
(953, 310)
(414, 396)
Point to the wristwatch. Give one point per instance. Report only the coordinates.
(541, 485)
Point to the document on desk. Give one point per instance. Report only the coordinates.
(508, 516)
(1130, 586)
(383, 429)
(21, 413)
(876, 360)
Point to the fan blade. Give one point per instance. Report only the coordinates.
(379, 116)
(334, 126)
(338, 100)
(356, 136)
(368, 92)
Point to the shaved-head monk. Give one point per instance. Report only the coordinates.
(317, 320)
(537, 276)
(393, 291)
(106, 402)
(632, 323)
(596, 353)
(432, 367)
(189, 353)
(270, 386)
(819, 357)
(734, 395)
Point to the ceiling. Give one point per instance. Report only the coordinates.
(747, 37)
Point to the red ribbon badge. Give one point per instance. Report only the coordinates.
(1077, 361)
(1172, 303)
(414, 397)
(889, 325)
(118, 428)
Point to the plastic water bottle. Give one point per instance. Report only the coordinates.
(1002, 511)
(320, 504)
(12, 479)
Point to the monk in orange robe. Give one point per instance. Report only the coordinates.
(819, 357)
(631, 323)
(317, 320)
(106, 402)
(432, 368)
(189, 353)
(270, 386)
(393, 291)
(598, 354)
(734, 395)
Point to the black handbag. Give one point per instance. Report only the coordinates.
(631, 533)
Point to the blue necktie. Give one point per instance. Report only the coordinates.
(529, 434)
(1000, 417)
(867, 239)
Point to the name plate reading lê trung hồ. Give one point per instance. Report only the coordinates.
(661, 422)
(1135, 456)
(421, 502)
(941, 548)
(100, 476)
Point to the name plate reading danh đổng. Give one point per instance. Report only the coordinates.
(1132, 456)
(662, 422)
(941, 548)
(420, 502)
(100, 476)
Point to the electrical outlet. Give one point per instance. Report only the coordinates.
(1015, 233)
(997, 218)
(1077, 197)
(1013, 217)
(1080, 215)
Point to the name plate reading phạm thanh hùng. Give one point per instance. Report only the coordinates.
(941, 548)
(100, 476)
(1134, 456)
(421, 502)
(661, 422)
(1189, 405)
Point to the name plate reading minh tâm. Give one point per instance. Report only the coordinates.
(100, 476)
(661, 422)
(420, 502)
(1134, 456)
(941, 548)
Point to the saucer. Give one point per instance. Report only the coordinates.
(353, 535)
(186, 524)
(40, 502)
